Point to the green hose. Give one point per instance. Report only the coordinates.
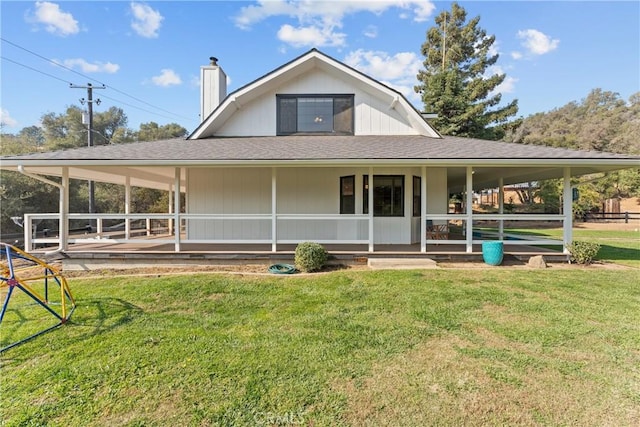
(282, 269)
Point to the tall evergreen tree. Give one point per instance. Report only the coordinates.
(454, 83)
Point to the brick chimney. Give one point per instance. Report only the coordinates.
(213, 87)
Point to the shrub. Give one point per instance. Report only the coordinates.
(310, 256)
(583, 252)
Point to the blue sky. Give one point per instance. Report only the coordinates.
(149, 53)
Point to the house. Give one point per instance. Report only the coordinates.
(312, 151)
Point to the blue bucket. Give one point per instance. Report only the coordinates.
(492, 252)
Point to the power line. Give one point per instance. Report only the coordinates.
(134, 106)
(50, 60)
(118, 101)
(35, 69)
(89, 78)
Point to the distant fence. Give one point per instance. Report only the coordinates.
(607, 216)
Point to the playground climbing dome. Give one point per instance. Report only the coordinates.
(36, 297)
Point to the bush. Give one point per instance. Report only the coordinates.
(583, 252)
(310, 256)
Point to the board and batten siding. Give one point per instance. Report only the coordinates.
(372, 115)
(228, 191)
(300, 191)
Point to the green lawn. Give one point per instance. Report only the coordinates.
(498, 346)
(620, 247)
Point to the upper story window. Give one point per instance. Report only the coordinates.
(315, 114)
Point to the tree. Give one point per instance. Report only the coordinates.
(108, 124)
(20, 194)
(67, 130)
(153, 132)
(32, 135)
(455, 83)
(64, 130)
(602, 121)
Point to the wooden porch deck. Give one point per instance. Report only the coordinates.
(100, 255)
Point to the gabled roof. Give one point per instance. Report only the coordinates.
(313, 59)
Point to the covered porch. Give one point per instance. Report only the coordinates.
(433, 228)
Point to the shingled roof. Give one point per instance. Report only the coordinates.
(314, 148)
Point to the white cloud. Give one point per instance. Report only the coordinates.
(146, 21)
(494, 49)
(310, 36)
(536, 42)
(166, 78)
(508, 85)
(371, 31)
(516, 55)
(6, 119)
(319, 21)
(87, 67)
(382, 66)
(55, 20)
(397, 71)
(423, 10)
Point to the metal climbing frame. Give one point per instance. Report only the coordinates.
(22, 271)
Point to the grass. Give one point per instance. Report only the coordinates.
(448, 347)
(620, 247)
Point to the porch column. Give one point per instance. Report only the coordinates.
(469, 203)
(127, 207)
(567, 209)
(170, 221)
(274, 209)
(423, 209)
(63, 227)
(176, 208)
(370, 207)
(501, 207)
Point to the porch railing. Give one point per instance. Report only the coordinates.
(479, 234)
(155, 229)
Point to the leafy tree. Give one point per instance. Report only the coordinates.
(20, 194)
(64, 130)
(454, 83)
(32, 197)
(15, 144)
(549, 192)
(153, 132)
(602, 121)
(108, 124)
(67, 130)
(33, 136)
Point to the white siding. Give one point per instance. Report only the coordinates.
(392, 230)
(437, 195)
(300, 191)
(309, 190)
(372, 116)
(229, 191)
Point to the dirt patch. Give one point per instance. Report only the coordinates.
(241, 269)
(263, 269)
(451, 381)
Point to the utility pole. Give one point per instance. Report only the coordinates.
(89, 87)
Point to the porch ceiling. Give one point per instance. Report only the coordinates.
(488, 177)
(156, 177)
(162, 177)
